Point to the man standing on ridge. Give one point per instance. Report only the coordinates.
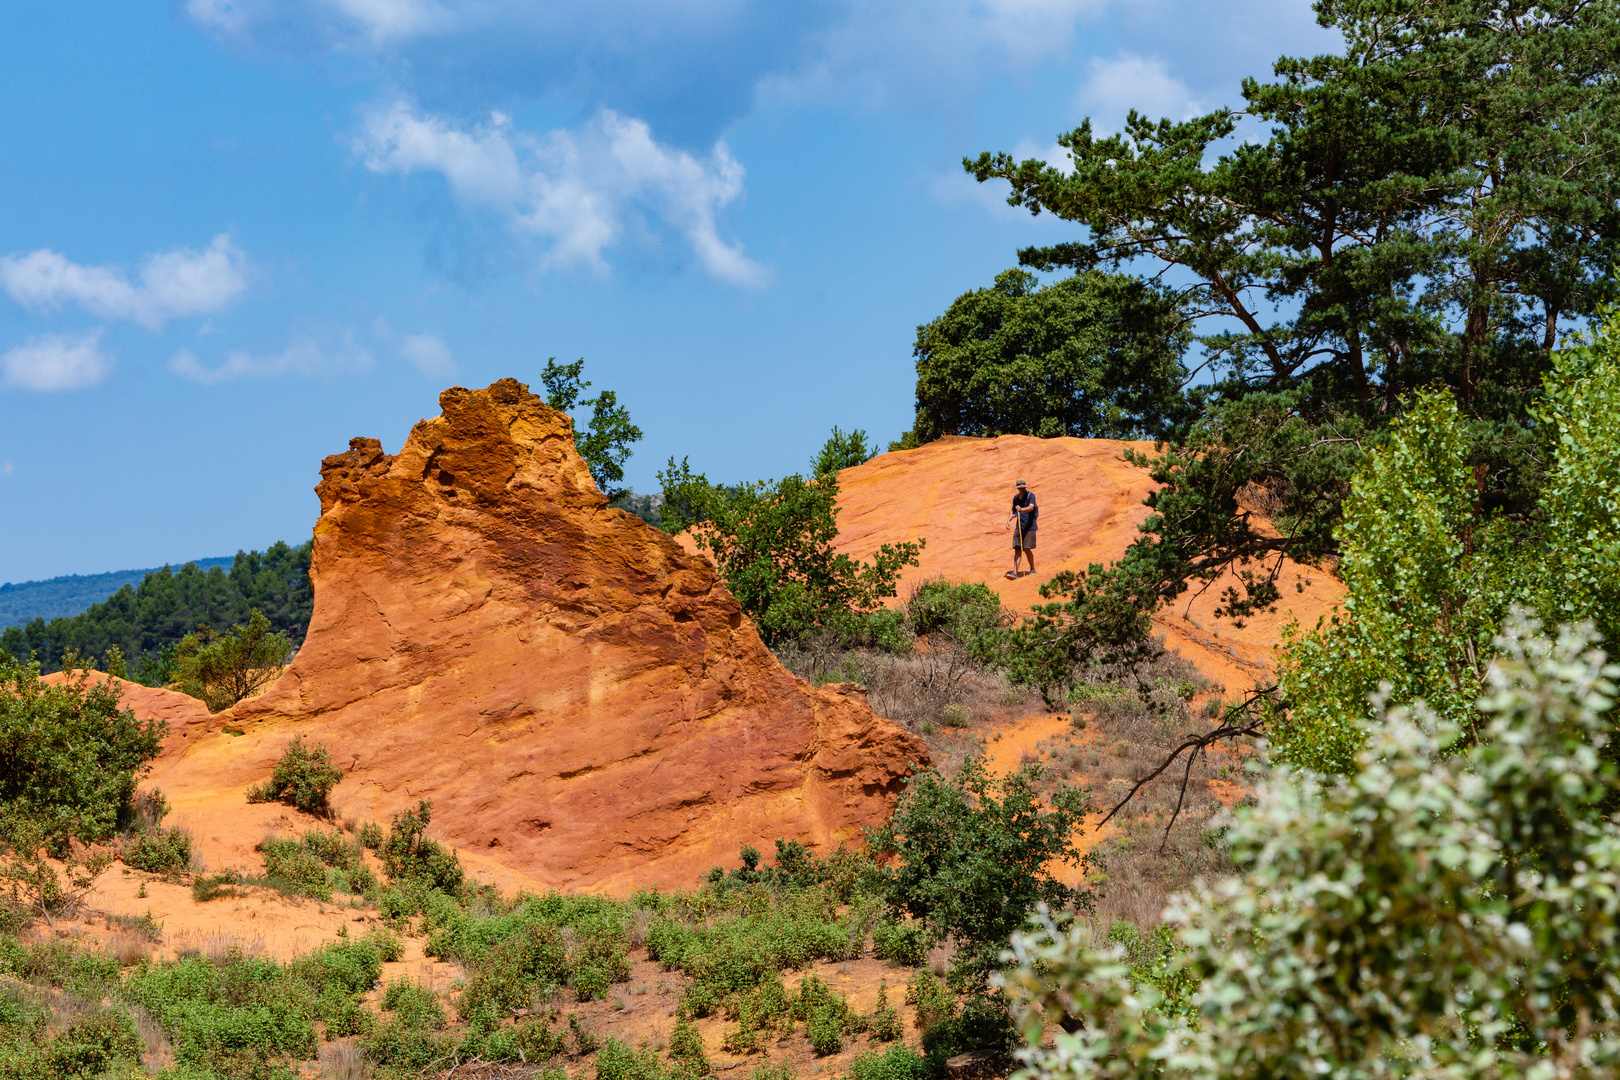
(1027, 515)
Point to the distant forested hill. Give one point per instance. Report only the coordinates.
(147, 620)
(55, 598)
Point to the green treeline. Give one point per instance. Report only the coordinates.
(146, 622)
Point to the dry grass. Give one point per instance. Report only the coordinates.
(935, 685)
(130, 947)
(342, 1061)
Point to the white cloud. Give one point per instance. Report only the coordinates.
(52, 362)
(428, 354)
(1113, 87)
(171, 283)
(571, 188)
(305, 356)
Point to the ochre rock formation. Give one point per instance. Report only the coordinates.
(956, 493)
(582, 700)
(186, 716)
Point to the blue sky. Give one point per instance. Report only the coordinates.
(235, 233)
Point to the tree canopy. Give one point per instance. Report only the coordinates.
(1096, 355)
(605, 442)
(144, 621)
(773, 544)
(1430, 208)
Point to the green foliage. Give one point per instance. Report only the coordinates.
(898, 1062)
(605, 446)
(1096, 356)
(86, 1047)
(412, 1035)
(884, 1022)
(225, 668)
(972, 855)
(303, 776)
(1427, 210)
(409, 855)
(617, 1060)
(315, 865)
(69, 756)
(773, 544)
(842, 450)
(686, 1049)
(158, 851)
(1430, 572)
(905, 943)
(968, 612)
(146, 621)
(371, 836)
(1450, 906)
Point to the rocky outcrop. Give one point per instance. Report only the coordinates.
(583, 700)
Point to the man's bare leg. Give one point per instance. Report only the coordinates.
(1029, 553)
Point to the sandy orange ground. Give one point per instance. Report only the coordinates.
(956, 494)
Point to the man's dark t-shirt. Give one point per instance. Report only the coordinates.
(1028, 513)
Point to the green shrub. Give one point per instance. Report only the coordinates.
(514, 971)
(69, 756)
(826, 1015)
(159, 851)
(88, 1046)
(371, 835)
(303, 776)
(904, 943)
(931, 1001)
(969, 612)
(973, 858)
(886, 629)
(239, 1016)
(223, 669)
(316, 864)
(206, 887)
(66, 966)
(884, 1023)
(408, 853)
(686, 1049)
(983, 1023)
(898, 1062)
(618, 1061)
(782, 1070)
(290, 867)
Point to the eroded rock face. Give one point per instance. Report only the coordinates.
(583, 700)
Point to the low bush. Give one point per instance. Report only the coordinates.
(617, 1060)
(883, 1023)
(686, 1049)
(903, 942)
(412, 1035)
(206, 887)
(408, 854)
(88, 1046)
(898, 1062)
(315, 864)
(69, 755)
(969, 612)
(304, 776)
(159, 851)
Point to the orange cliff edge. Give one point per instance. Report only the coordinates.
(583, 700)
